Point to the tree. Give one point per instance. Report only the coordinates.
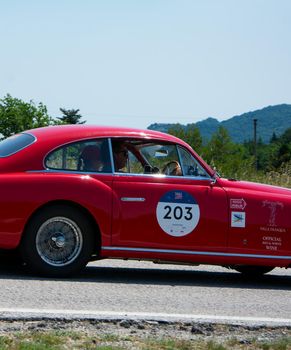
(70, 116)
(219, 147)
(17, 115)
(274, 138)
(230, 159)
(286, 136)
(190, 134)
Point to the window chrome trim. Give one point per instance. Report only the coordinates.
(116, 174)
(111, 155)
(177, 146)
(190, 252)
(163, 176)
(87, 139)
(50, 171)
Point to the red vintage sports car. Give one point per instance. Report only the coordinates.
(72, 194)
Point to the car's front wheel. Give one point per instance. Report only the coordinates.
(58, 241)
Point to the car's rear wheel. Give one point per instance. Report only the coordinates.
(58, 241)
(252, 270)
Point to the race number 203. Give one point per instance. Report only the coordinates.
(177, 213)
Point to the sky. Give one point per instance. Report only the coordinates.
(138, 62)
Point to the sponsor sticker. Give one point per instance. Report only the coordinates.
(238, 219)
(238, 204)
(177, 213)
(273, 208)
(272, 242)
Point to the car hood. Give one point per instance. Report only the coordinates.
(253, 186)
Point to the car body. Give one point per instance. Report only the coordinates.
(164, 204)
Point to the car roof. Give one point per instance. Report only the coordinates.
(66, 133)
(51, 137)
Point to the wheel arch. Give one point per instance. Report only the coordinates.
(72, 204)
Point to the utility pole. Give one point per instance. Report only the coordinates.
(255, 144)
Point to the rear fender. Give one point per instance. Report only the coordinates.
(24, 195)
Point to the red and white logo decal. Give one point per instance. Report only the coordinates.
(238, 204)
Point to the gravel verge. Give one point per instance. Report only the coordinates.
(151, 329)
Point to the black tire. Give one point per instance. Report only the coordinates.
(58, 241)
(10, 258)
(253, 270)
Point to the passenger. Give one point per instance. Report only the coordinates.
(89, 159)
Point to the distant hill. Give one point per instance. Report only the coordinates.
(271, 119)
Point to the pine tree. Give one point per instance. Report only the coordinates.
(70, 116)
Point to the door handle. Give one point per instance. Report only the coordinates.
(132, 199)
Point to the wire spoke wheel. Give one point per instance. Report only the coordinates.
(59, 241)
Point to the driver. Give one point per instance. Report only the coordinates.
(172, 168)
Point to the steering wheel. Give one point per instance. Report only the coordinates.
(172, 168)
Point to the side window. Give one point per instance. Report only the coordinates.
(15, 143)
(145, 157)
(190, 165)
(88, 156)
(163, 159)
(151, 157)
(125, 156)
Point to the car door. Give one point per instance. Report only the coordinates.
(160, 210)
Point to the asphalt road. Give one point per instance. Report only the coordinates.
(113, 287)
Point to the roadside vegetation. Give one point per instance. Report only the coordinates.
(17, 115)
(59, 340)
(270, 163)
(139, 335)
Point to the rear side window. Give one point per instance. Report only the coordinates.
(15, 143)
(85, 156)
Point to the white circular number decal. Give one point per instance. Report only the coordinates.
(178, 213)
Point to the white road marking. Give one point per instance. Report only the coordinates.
(25, 313)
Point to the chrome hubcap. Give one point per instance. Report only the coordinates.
(59, 241)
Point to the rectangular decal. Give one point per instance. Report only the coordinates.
(238, 219)
(238, 204)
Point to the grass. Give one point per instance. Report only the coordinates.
(281, 344)
(62, 340)
(282, 177)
